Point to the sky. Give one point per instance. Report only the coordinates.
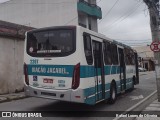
(1, 1)
(126, 21)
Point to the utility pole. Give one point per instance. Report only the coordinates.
(153, 6)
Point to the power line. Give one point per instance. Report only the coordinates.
(71, 20)
(137, 44)
(109, 11)
(99, 1)
(8, 2)
(124, 16)
(137, 32)
(132, 11)
(134, 40)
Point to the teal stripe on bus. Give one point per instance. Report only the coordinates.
(87, 71)
(107, 70)
(90, 93)
(91, 100)
(92, 97)
(118, 69)
(92, 90)
(67, 70)
(114, 70)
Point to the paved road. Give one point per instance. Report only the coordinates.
(147, 86)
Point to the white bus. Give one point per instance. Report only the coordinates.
(72, 63)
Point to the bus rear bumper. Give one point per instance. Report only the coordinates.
(63, 95)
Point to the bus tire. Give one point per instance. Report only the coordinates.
(113, 93)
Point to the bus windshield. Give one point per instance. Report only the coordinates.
(50, 43)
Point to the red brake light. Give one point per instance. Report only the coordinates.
(76, 77)
(25, 70)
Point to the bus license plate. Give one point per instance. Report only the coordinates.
(47, 80)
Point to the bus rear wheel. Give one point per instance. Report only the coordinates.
(113, 93)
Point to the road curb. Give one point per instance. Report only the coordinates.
(8, 98)
(3, 99)
(15, 97)
(139, 106)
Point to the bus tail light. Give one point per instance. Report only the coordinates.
(76, 77)
(25, 70)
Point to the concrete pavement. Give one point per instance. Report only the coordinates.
(151, 109)
(151, 112)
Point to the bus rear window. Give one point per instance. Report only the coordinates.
(51, 43)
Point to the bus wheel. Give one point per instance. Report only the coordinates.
(113, 93)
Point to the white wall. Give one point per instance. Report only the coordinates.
(11, 65)
(40, 13)
(83, 19)
(94, 24)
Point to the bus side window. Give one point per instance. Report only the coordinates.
(132, 58)
(88, 49)
(114, 54)
(129, 57)
(107, 53)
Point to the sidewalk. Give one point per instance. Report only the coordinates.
(12, 96)
(151, 111)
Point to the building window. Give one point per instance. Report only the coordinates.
(114, 54)
(129, 56)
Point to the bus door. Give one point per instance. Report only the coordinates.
(99, 70)
(122, 69)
